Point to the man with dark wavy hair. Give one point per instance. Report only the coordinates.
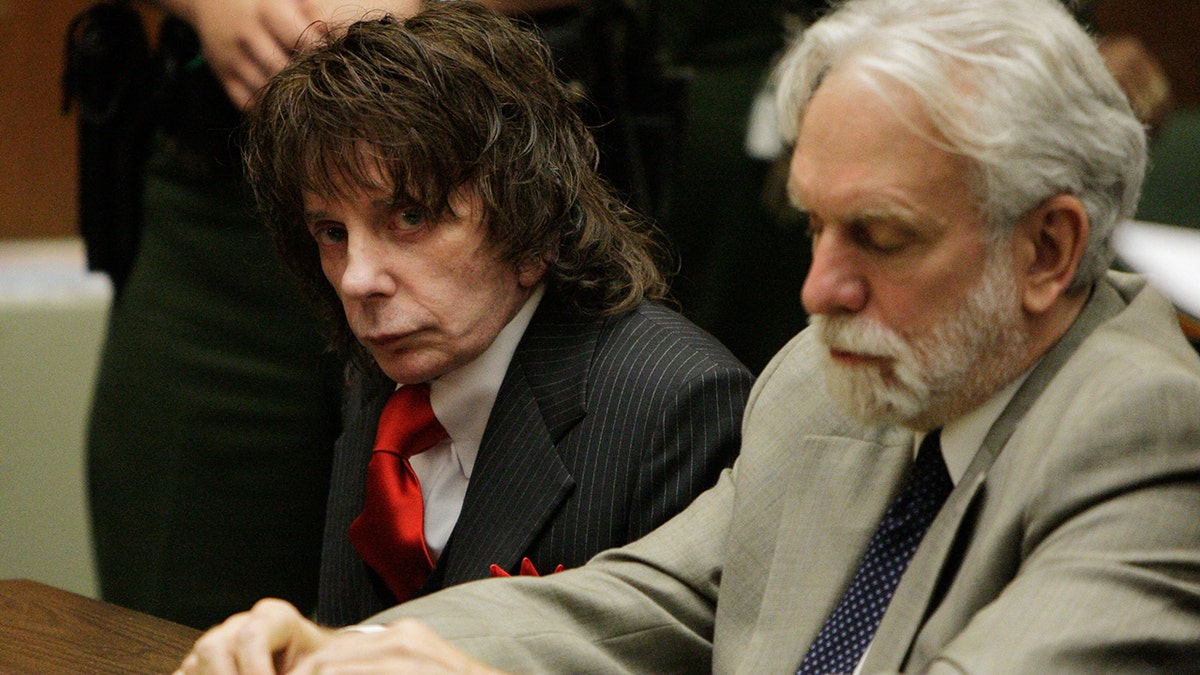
(431, 183)
(1000, 474)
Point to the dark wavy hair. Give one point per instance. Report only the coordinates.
(455, 97)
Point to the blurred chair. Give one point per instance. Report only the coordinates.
(1169, 256)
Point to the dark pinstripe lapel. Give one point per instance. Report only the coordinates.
(544, 394)
(346, 591)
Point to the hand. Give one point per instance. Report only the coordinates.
(1140, 76)
(248, 41)
(272, 637)
(406, 646)
(348, 11)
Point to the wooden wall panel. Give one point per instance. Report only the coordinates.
(37, 143)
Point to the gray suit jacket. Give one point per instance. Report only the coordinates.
(602, 430)
(1072, 544)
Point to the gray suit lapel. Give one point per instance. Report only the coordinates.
(518, 473)
(915, 594)
(840, 488)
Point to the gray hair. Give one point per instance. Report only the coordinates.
(1016, 86)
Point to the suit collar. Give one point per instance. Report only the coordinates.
(556, 356)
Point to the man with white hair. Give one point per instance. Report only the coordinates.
(1004, 473)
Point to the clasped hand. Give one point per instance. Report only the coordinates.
(273, 637)
(247, 41)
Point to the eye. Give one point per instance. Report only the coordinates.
(881, 236)
(409, 219)
(327, 233)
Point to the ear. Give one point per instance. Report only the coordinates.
(530, 271)
(1049, 243)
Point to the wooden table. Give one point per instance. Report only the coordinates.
(45, 630)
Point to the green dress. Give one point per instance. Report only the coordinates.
(216, 407)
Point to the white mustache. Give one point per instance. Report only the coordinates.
(860, 335)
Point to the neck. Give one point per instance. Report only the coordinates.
(1047, 328)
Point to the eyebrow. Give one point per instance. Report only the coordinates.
(385, 204)
(872, 215)
(876, 214)
(312, 216)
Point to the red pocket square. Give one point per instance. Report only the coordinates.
(527, 569)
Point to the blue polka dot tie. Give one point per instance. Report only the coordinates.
(849, 629)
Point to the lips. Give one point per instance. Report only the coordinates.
(848, 358)
(387, 341)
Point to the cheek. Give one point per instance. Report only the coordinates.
(912, 312)
(331, 267)
(916, 312)
(480, 315)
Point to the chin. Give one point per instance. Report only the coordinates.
(871, 395)
(411, 369)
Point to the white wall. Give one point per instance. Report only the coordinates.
(52, 322)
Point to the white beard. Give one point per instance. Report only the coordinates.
(932, 378)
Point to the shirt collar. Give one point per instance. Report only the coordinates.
(463, 398)
(962, 438)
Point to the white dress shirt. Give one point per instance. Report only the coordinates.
(462, 400)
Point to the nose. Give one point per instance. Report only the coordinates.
(835, 283)
(365, 270)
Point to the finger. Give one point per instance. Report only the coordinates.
(406, 646)
(314, 21)
(356, 652)
(190, 665)
(238, 90)
(264, 56)
(273, 632)
(212, 654)
(312, 34)
(286, 22)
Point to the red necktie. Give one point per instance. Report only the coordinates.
(390, 532)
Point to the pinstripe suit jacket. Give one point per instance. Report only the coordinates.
(603, 429)
(1071, 544)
